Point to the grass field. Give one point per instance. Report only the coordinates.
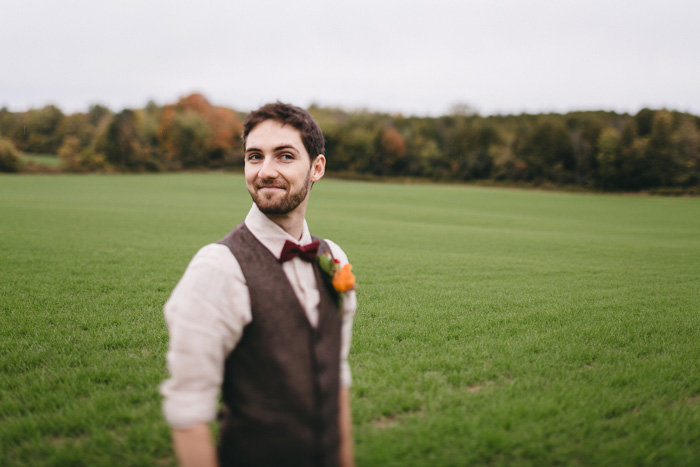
(496, 327)
(50, 160)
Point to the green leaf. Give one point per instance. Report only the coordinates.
(326, 264)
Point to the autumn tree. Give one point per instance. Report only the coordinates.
(195, 133)
(392, 152)
(652, 149)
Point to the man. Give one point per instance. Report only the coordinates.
(257, 318)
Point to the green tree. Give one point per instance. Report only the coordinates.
(97, 114)
(585, 129)
(631, 164)
(426, 156)
(608, 158)
(355, 146)
(687, 141)
(644, 121)
(662, 163)
(9, 156)
(38, 132)
(467, 148)
(75, 158)
(120, 143)
(548, 151)
(9, 121)
(185, 139)
(78, 125)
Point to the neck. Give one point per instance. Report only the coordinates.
(292, 222)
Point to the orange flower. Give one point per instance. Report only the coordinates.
(344, 280)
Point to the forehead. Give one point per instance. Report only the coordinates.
(271, 134)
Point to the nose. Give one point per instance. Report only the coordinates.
(267, 169)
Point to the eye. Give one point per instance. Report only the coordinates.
(253, 157)
(287, 156)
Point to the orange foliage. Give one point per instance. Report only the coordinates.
(393, 143)
(225, 128)
(224, 125)
(167, 141)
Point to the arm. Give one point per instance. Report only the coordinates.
(205, 314)
(194, 446)
(347, 451)
(349, 306)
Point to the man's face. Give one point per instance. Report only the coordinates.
(278, 169)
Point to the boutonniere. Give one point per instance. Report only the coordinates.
(342, 279)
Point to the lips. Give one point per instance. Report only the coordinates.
(279, 186)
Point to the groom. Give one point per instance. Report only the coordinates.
(256, 319)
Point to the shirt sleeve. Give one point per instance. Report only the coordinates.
(205, 315)
(349, 306)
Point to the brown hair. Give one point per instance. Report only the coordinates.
(287, 114)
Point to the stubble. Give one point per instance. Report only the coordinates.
(288, 203)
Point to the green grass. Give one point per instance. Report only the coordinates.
(49, 160)
(496, 327)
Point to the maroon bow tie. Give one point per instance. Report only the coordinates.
(292, 250)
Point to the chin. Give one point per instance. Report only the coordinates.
(271, 206)
(274, 209)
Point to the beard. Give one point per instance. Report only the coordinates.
(272, 206)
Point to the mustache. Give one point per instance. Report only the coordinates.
(270, 184)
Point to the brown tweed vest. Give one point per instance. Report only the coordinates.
(281, 382)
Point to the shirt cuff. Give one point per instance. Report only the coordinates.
(182, 410)
(345, 375)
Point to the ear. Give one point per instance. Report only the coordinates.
(318, 167)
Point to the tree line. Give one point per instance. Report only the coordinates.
(651, 150)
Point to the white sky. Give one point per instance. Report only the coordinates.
(414, 57)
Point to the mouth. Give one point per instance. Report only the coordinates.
(270, 184)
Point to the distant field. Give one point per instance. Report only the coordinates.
(496, 327)
(50, 160)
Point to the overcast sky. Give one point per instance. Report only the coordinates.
(413, 57)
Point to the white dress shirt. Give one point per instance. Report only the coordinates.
(210, 307)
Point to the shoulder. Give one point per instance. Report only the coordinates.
(337, 252)
(212, 283)
(214, 256)
(213, 262)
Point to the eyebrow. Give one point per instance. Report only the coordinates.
(278, 148)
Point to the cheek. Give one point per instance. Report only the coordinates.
(249, 173)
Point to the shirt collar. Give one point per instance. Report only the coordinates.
(271, 235)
